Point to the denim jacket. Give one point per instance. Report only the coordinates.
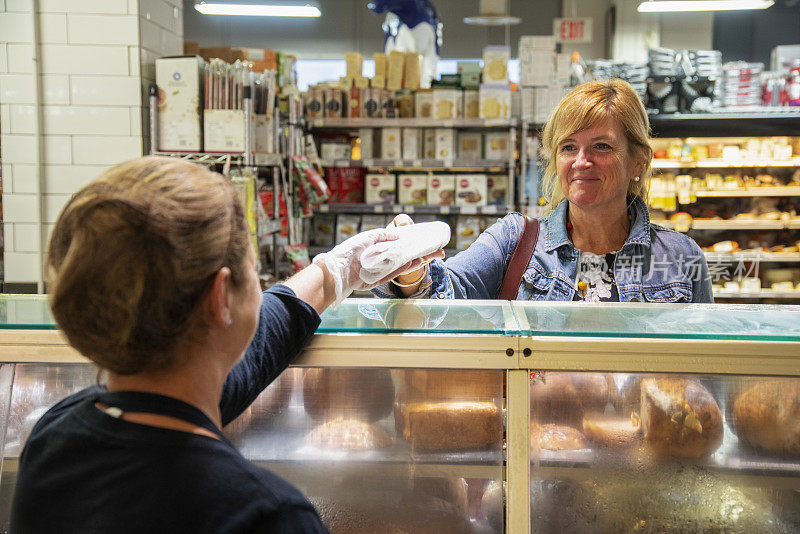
(654, 265)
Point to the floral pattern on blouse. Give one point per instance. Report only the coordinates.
(597, 270)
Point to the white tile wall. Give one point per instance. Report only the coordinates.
(16, 27)
(8, 175)
(57, 148)
(18, 149)
(24, 179)
(8, 236)
(55, 89)
(5, 117)
(104, 90)
(16, 88)
(3, 57)
(105, 150)
(20, 58)
(84, 59)
(19, 208)
(136, 121)
(133, 7)
(22, 6)
(2, 5)
(53, 204)
(119, 7)
(103, 29)
(66, 179)
(22, 120)
(134, 67)
(86, 120)
(158, 12)
(21, 267)
(26, 237)
(53, 28)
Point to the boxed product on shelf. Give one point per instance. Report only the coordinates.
(179, 81)
(412, 189)
(536, 67)
(346, 226)
(389, 104)
(429, 143)
(445, 143)
(445, 101)
(470, 72)
(538, 42)
(371, 103)
(371, 221)
(495, 101)
(367, 144)
(496, 145)
(314, 103)
(423, 104)
(412, 143)
(441, 189)
(264, 134)
(468, 228)
(334, 103)
(495, 64)
(470, 145)
(405, 104)
(354, 102)
(346, 185)
(412, 70)
(332, 151)
(391, 143)
(394, 70)
(497, 189)
(223, 130)
(380, 64)
(471, 189)
(354, 64)
(379, 188)
(459, 103)
(323, 226)
(472, 104)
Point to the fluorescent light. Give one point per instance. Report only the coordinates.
(652, 6)
(304, 9)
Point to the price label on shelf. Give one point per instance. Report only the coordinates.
(378, 208)
(416, 163)
(469, 210)
(444, 210)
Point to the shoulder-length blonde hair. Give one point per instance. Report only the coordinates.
(585, 106)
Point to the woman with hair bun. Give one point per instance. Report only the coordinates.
(596, 242)
(152, 276)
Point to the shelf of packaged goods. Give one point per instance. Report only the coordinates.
(738, 225)
(411, 209)
(722, 164)
(761, 257)
(421, 165)
(763, 294)
(235, 158)
(783, 191)
(346, 124)
(767, 122)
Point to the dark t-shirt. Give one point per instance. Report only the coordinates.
(85, 471)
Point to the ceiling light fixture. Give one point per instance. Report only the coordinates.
(272, 9)
(492, 13)
(656, 6)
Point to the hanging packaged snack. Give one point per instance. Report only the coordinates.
(298, 256)
(315, 188)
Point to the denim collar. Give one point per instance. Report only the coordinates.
(556, 226)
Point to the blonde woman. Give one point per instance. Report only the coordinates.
(152, 277)
(596, 242)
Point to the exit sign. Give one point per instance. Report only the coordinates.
(573, 30)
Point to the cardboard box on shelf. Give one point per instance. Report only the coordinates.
(330, 151)
(389, 104)
(537, 67)
(472, 104)
(538, 42)
(372, 221)
(394, 70)
(444, 103)
(445, 143)
(371, 103)
(495, 101)
(470, 72)
(361, 82)
(346, 184)
(378, 82)
(468, 228)
(225, 53)
(470, 145)
(423, 104)
(441, 189)
(334, 103)
(412, 189)
(405, 104)
(429, 143)
(354, 104)
(380, 64)
(412, 70)
(471, 189)
(191, 48)
(367, 144)
(264, 134)
(354, 64)
(379, 189)
(495, 64)
(412, 143)
(346, 226)
(324, 225)
(496, 146)
(497, 189)
(179, 81)
(223, 130)
(314, 102)
(391, 143)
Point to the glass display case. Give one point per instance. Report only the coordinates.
(488, 416)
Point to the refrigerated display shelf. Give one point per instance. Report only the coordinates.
(421, 165)
(410, 209)
(729, 225)
(345, 124)
(770, 257)
(784, 191)
(722, 164)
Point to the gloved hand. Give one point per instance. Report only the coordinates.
(343, 262)
(404, 220)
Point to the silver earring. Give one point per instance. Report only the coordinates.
(636, 179)
(228, 322)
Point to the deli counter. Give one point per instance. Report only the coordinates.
(490, 416)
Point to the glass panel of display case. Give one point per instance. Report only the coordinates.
(29, 312)
(409, 448)
(35, 388)
(675, 321)
(404, 315)
(664, 453)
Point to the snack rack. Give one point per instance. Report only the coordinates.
(720, 346)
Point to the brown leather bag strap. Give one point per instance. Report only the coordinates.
(520, 259)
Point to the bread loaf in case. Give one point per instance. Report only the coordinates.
(438, 426)
(766, 416)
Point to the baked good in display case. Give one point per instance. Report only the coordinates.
(680, 417)
(564, 398)
(766, 416)
(362, 394)
(556, 437)
(449, 426)
(612, 430)
(348, 434)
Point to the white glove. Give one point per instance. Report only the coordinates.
(344, 264)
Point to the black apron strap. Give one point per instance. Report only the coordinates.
(138, 401)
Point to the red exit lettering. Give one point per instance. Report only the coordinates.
(570, 30)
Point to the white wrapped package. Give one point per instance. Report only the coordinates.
(415, 241)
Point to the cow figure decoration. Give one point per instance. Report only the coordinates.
(412, 26)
